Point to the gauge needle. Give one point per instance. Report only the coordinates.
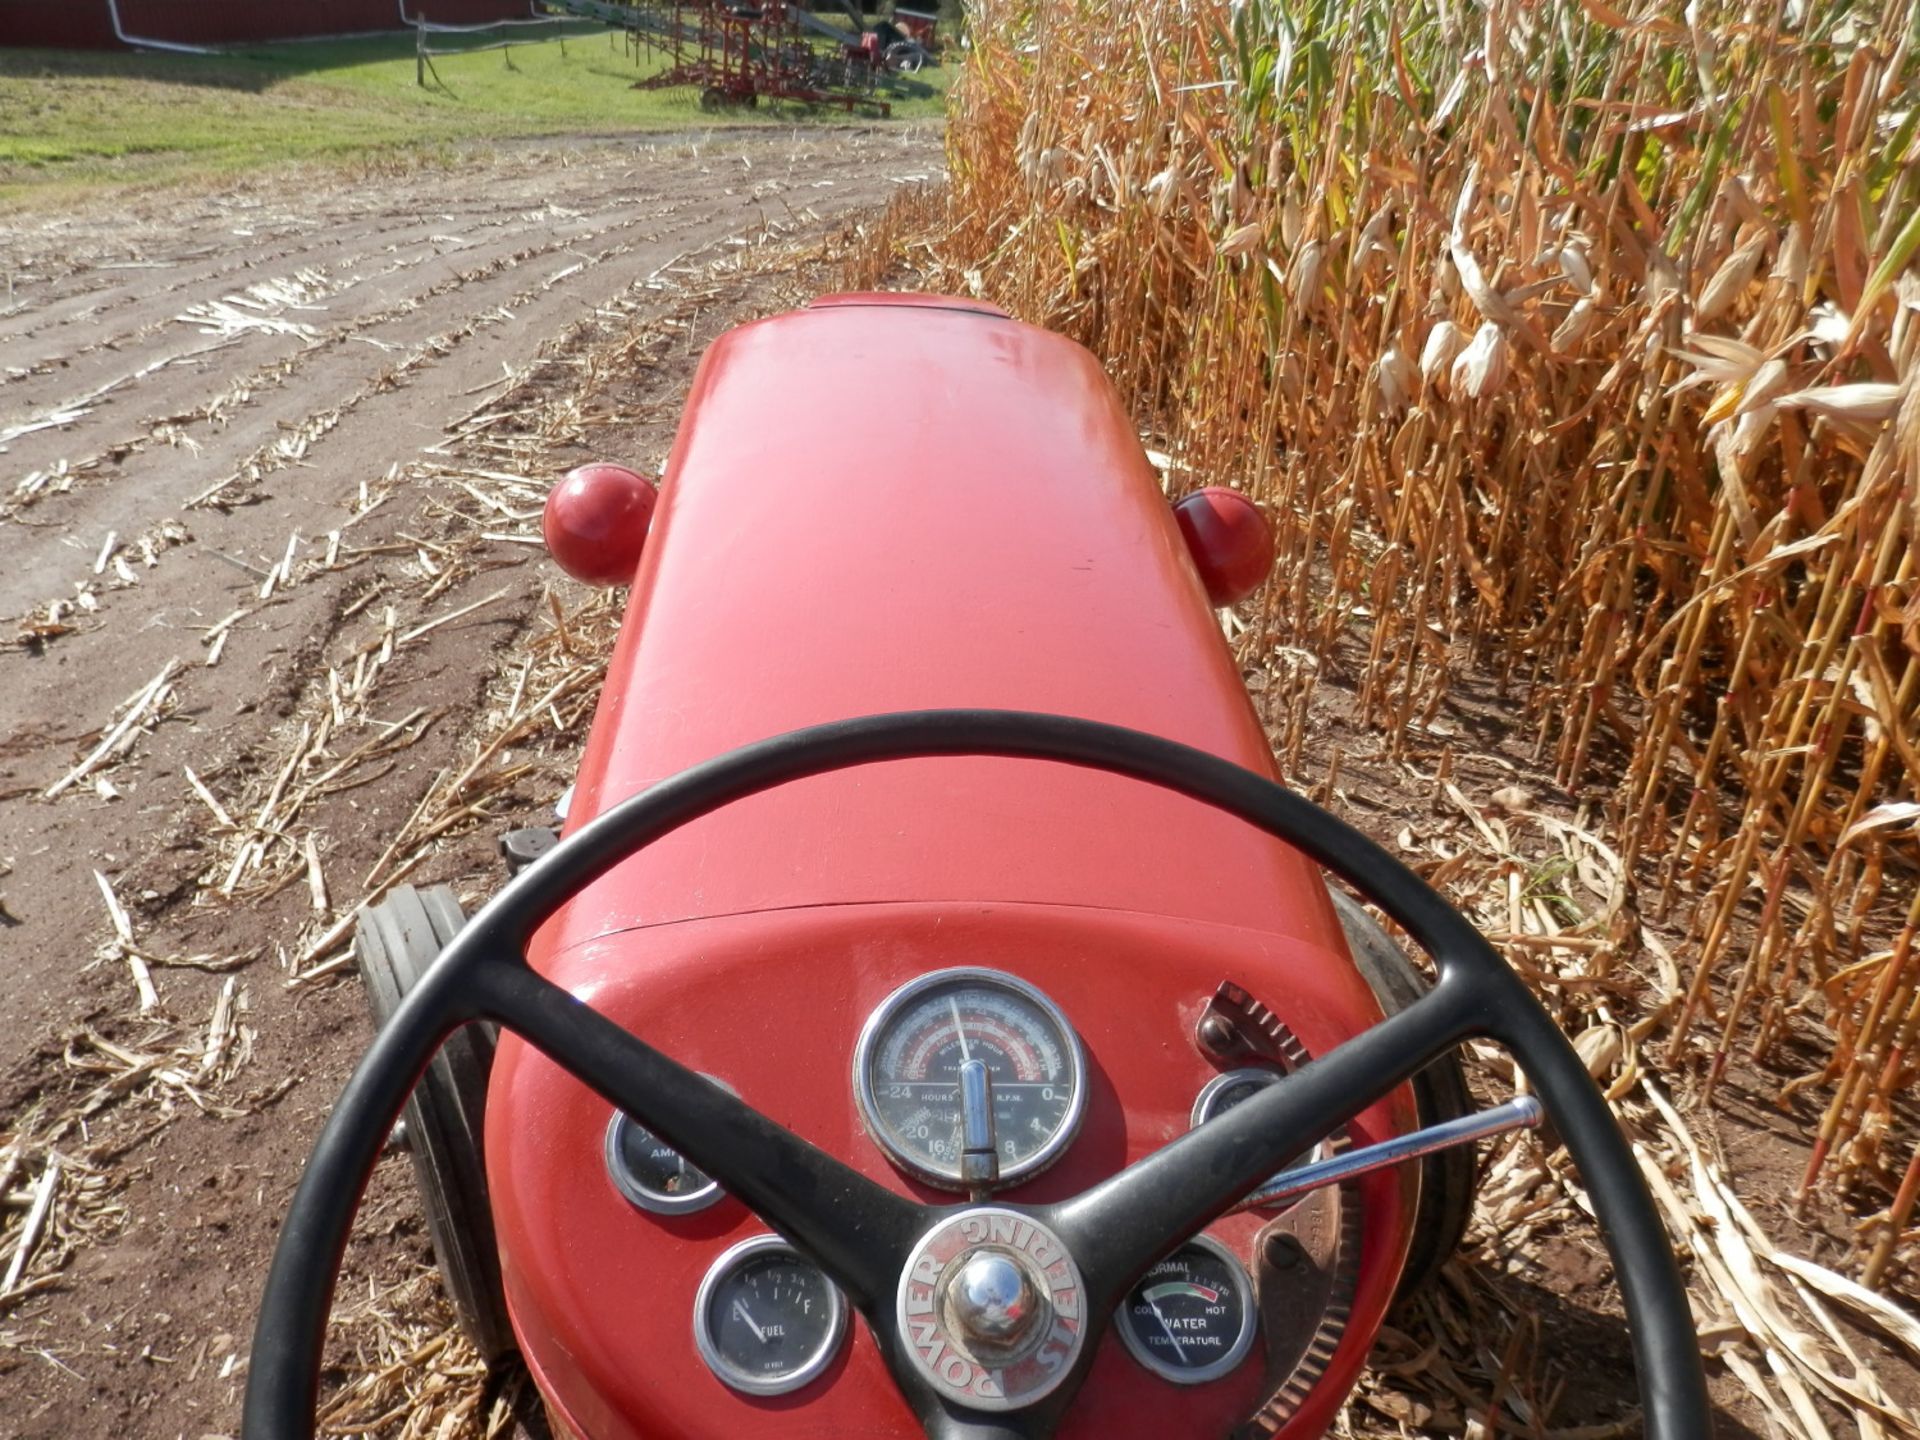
(1166, 1329)
(959, 1029)
(740, 1309)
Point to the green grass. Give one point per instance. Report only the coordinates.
(74, 123)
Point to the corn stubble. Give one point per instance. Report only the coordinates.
(1576, 338)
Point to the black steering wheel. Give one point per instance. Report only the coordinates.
(872, 1241)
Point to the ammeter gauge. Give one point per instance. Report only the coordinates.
(651, 1173)
(1191, 1319)
(765, 1320)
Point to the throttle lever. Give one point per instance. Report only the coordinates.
(1522, 1112)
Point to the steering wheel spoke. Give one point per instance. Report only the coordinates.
(857, 1231)
(945, 1422)
(1118, 1228)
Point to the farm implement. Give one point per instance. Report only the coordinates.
(737, 54)
(934, 1016)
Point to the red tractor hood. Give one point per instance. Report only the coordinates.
(974, 525)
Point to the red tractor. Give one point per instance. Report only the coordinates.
(935, 1018)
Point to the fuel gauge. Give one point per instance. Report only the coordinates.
(766, 1321)
(1191, 1318)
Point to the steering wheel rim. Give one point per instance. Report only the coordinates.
(807, 1195)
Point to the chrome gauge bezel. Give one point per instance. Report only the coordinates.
(656, 1202)
(890, 1009)
(709, 1347)
(1237, 1352)
(1203, 1106)
(1203, 1102)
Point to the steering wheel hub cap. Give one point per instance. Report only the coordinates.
(992, 1301)
(991, 1309)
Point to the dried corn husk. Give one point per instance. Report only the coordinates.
(1481, 368)
(1444, 343)
(1397, 378)
(1867, 404)
(1575, 328)
(1730, 281)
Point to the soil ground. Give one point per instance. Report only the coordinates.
(463, 337)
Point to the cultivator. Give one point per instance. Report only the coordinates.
(735, 54)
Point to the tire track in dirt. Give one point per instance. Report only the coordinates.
(327, 236)
(297, 231)
(332, 267)
(237, 435)
(291, 359)
(173, 400)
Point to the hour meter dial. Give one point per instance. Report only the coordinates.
(907, 1072)
(1191, 1318)
(765, 1320)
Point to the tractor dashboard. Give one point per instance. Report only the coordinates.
(1093, 1037)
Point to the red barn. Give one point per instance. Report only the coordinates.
(115, 24)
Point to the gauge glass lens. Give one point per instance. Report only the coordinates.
(767, 1321)
(1191, 1318)
(907, 1072)
(1223, 1092)
(651, 1173)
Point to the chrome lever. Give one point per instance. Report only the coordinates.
(979, 1150)
(1522, 1112)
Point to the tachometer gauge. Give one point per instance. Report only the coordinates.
(906, 1072)
(1191, 1318)
(765, 1320)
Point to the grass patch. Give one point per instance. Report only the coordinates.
(73, 123)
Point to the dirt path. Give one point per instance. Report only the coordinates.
(194, 458)
(274, 405)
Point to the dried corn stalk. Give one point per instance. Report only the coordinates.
(1657, 457)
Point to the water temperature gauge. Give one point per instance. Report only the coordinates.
(1191, 1318)
(765, 1320)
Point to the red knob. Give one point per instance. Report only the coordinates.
(1230, 540)
(596, 520)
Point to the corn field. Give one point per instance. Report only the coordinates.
(1575, 340)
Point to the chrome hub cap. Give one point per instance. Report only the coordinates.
(992, 1310)
(991, 1303)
